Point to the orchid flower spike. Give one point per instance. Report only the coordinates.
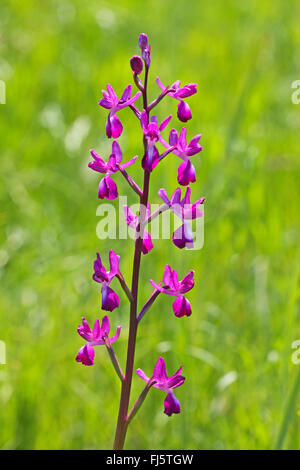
(183, 236)
(107, 187)
(186, 171)
(166, 384)
(94, 337)
(152, 135)
(172, 286)
(110, 299)
(110, 101)
(183, 112)
(132, 221)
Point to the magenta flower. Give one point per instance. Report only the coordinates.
(166, 384)
(107, 187)
(110, 299)
(152, 135)
(110, 101)
(183, 112)
(94, 337)
(171, 286)
(132, 221)
(186, 171)
(183, 236)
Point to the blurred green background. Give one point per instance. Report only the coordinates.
(55, 57)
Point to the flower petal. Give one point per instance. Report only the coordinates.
(130, 218)
(163, 195)
(176, 380)
(105, 326)
(100, 275)
(150, 159)
(105, 103)
(164, 123)
(126, 93)
(84, 330)
(97, 330)
(116, 126)
(160, 373)
(107, 189)
(130, 162)
(114, 263)
(98, 164)
(160, 84)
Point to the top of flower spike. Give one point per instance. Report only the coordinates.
(100, 274)
(145, 48)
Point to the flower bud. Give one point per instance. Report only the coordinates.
(136, 64)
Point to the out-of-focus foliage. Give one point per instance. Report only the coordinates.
(55, 57)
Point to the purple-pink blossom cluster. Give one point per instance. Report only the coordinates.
(156, 149)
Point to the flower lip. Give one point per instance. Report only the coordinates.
(97, 337)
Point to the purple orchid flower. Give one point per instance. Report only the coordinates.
(183, 112)
(152, 135)
(166, 384)
(172, 286)
(110, 299)
(183, 236)
(132, 221)
(94, 337)
(110, 101)
(186, 171)
(107, 187)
